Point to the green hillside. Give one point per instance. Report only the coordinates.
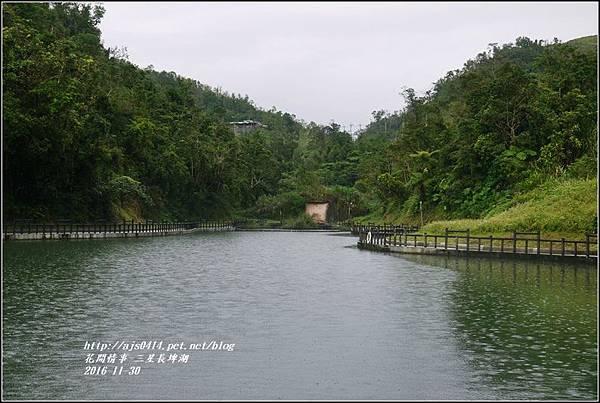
(586, 43)
(88, 135)
(515, 119)
(558, 207)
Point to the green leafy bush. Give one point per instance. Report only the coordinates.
(303, 221)
(124, 188)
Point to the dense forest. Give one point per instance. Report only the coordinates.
(510, 120)
(89, 135)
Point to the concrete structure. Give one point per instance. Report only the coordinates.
(319, 211)
(245, 126)
(412, 250)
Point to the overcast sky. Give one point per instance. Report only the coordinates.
(329, 61)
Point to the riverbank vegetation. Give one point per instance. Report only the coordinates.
(508, 141)
(558, 208)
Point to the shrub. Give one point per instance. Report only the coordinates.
(124, 188)
(303, 221)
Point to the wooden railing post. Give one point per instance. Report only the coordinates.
(562, 240)
(514, 242)
(446, 239)
(539, 242)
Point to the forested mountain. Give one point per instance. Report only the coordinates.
(89, 135)
(509, 120)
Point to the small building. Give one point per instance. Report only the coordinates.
(320, 211)
(245, 126)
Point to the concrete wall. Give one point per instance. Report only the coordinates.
(318, 211)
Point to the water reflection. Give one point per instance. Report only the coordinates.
(526, 327)
(49, 291)
(313, 319)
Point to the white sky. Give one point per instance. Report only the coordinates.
(329, 61)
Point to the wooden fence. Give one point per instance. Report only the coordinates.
(526, 243)
(67, 229)
(386, 229)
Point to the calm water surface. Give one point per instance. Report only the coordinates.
(311, 317)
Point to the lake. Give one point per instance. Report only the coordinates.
(305, 315)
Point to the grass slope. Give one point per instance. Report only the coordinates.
(558, 208)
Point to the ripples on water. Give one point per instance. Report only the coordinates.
(528, 329)
(310, 318)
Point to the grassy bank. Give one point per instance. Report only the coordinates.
(559, 208)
